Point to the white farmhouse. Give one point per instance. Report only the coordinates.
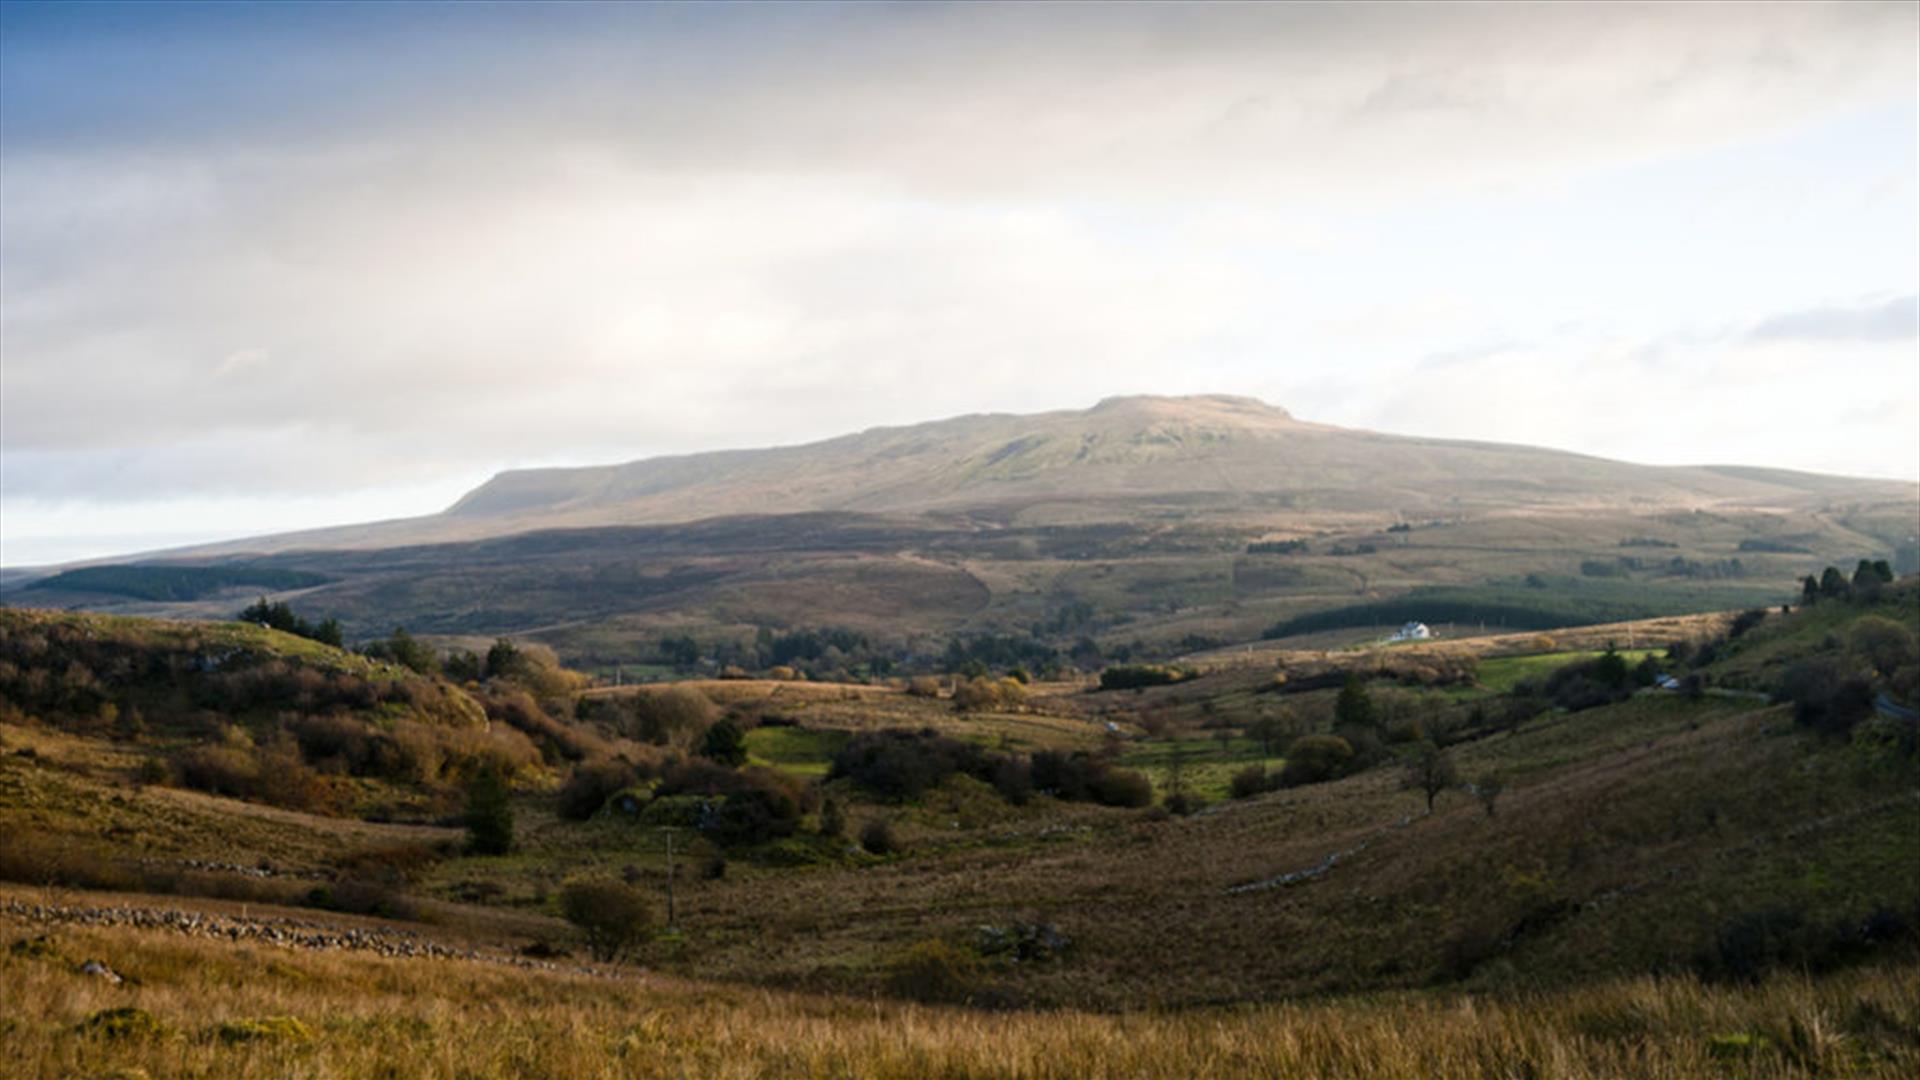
(1413, 631)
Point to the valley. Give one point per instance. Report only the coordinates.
(1185, 845)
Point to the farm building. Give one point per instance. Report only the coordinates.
(1413, 631)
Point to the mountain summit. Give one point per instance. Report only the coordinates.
(1212, 457)
(1210, 453)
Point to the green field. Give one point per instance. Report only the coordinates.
(801, 751)
(1206, 764)
(1502, 674)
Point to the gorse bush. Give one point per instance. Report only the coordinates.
(983, 694)
(520, 711)
(274, 774)
(664, 716)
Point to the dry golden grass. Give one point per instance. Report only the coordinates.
(371, 1017)
(1303, 653)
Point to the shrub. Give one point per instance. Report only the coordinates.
(532, 666)
(1588, 684)
(1121, 787)
(1430, 771)
(934, 971)
(983, 694)
(489, 814)
(833, 822)
(1013, 779)
(1826, 696)
(219, 770)
(901, 765)
(754, 815)
(1354, 708)
(611, 915)
(335, 743)
(358, 895)
(589, 786)
(756, 804)
(1062, 775)
(878, 837)
(36, 858)
(724, 743)
(1487, 789)
(924, 686)
(1882, 643)
(520, 712)
(1139, 676)
(404, 649)
(1181, 803)
(698, 777)
(1316, 758)
(667, 715)
(1753, 943)
(1249, 782)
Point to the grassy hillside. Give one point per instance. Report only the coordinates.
(208, 1009)
(1644, 832)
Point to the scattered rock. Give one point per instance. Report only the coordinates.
(99, 970)
(1023, 942)
(291, 933)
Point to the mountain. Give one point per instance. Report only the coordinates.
(1146, 512)
(1212, 455)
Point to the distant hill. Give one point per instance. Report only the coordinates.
(1228, 453)
(1216, 456)
(1161, 521)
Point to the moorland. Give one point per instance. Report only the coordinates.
(1681, 846)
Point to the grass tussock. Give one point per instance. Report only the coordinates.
(207, 1009)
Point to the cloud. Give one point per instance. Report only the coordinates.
(279, 251)
(1683, 399)
(1073, 100)
(1894, 320)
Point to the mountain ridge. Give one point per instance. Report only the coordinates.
(1219, 457)
(1122, 446)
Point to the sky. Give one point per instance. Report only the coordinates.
(282, 266)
